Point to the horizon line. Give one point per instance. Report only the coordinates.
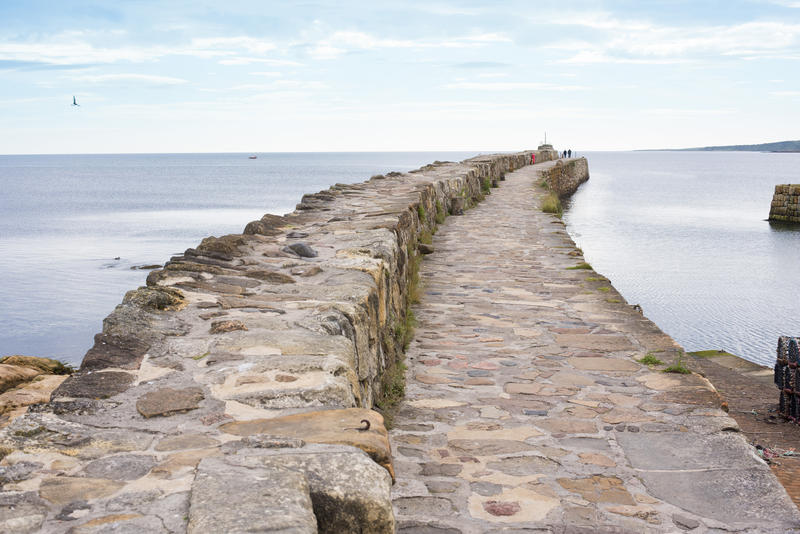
(480, 151)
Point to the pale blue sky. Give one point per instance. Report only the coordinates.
(237, 76)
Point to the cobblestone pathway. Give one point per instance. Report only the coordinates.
(526, 410)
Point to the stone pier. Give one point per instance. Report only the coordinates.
(785, 206)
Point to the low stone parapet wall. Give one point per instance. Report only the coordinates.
(785, 203)
(236, 389)
(566, 176)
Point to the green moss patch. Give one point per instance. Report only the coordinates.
(582, 265)
(710, 353)
(552, 204)
(650, 359)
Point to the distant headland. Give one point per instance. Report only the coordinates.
(779, 146)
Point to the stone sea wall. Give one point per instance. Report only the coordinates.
(237, 387)
(566, 176)
(785, 203)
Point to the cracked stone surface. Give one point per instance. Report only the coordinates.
(562, 430)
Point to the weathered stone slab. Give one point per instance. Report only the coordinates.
(94, 384)
(220, 327)
(11, 375)
(167, 401)
(604, 364)
(349, 492)
(599, 489)
(236, 500)
(121, 524)
(122, 352)
(120, 467)
(21, 512)
(64, 490)
(15, 401)
(516, 505)
(186, 441)
(701, 474)
(594, 342)
(45, 365)
(342, 427)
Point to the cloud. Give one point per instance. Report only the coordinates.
(671, 112)
(11, 64)
(341, 42)
(229, 44)
(596, 56)
(277, 85)
(785, 93)
(243, 60)
(271, 74)
(76, 48)
(481, 65)
(595, 20)
(617, 40)
(68, 49)
(513, 86)
(794, 4)
(130, 77)
(447, 9)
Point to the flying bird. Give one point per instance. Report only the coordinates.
(75, 102)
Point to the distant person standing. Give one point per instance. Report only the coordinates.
(569, 153)
(533, 158)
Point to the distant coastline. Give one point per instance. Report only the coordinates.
(779, 146)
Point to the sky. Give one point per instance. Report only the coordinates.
(265, 76)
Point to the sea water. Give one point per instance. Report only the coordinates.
(684, 235)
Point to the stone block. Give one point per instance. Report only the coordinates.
(167, 401)
(12, 375)
(340, 427)
(706, 475)
(21, 512)
(349, 492)
(94, 385)
(122, 352)
(236, 500)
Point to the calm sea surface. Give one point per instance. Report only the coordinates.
(684, 235)
(72, 227)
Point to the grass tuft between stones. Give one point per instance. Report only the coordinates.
(393, 389)
(678, 366)
(650, 359)
(552, 204)
(582, 265)
(441, 214)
